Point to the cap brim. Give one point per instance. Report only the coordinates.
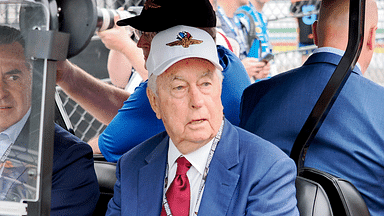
(146, 24)
(167, 20)
(135, 22)
(166, 65)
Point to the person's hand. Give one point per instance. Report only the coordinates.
(264, 72)
(256, 69)
(116, 38)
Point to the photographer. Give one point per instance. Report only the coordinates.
(123, 55)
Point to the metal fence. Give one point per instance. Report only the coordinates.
(283, 35)
(282, 27)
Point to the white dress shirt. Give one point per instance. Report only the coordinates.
(334, 51)
(10, 135)
(198, 159)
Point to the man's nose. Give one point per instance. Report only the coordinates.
(142, 41)
(3, 89)
(196, 97)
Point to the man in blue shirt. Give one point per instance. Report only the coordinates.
(75, 189)
(349, 144)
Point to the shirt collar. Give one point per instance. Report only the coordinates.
(334, 51)
(197, 158)
(10, 135)
(14, 131)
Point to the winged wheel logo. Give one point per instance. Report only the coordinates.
(184, 39)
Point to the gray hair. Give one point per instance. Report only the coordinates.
(152, 81)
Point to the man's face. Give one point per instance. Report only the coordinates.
(189, 103)
(145, 42)
(15, 85)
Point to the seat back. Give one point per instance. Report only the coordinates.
(342, 196)
(106, 177)
(311, 198)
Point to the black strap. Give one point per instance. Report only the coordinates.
(334, 85)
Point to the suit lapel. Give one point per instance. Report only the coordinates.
(221, 180)
(23, 138)
(151, 180)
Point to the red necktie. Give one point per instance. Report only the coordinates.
(178, 194)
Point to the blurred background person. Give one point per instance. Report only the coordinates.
(233, 28)
(256, 26)
(304, 29)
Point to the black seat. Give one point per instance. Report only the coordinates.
(320, 193)
(311, 198)
(106, 177)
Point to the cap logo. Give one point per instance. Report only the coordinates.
(184, 39)
(149, 4)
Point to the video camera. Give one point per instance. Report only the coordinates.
(79, 18)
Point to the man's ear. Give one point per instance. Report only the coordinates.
(154, 101)
(314, 31)
(371, 38)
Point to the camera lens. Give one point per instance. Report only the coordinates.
(105, 17)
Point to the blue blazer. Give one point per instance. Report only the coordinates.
(349, 144)
(75, 190)
(247, 176)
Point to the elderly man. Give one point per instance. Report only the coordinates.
(75, 189)
(349, 144)
(135, 121)
(224, 170)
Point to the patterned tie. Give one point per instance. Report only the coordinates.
(178, 194)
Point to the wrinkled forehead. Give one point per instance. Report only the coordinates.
(12, 57)
(190, 67)
(13, 51)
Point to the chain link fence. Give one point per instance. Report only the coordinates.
(283, 33)
(282, 17)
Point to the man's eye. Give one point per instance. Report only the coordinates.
(206, 84)
(13, 78)
(178, 88)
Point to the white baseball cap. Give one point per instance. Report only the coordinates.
(178, 43)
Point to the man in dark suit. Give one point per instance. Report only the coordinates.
(75, 189)
(224, 170)
(349, 144)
